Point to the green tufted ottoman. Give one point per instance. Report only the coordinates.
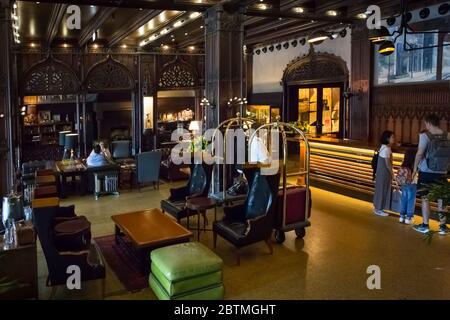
(186, 271)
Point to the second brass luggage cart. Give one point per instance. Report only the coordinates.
(294, 197)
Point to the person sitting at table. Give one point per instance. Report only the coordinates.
(96, 158)
(105, 151)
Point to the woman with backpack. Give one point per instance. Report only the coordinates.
(384, 175)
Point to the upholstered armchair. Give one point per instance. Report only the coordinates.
(121, 150)
(198, 186)
(148, 167)
(170, 170)
(252, 221)
(89, 261)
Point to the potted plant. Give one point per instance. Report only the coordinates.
(439, 192)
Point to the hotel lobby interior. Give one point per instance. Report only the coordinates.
(223, 149)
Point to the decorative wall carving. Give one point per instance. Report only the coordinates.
(316, 66)
(50, 77)
(109, 75)
(178, 74)
(402, 109)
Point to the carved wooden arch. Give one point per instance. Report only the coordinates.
(109, 75)
(50, 77)
(178, 74)
(316, 67)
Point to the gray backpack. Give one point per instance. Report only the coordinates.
(438, 152)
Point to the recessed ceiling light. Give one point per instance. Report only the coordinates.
(191, 48)
(201, 27)
(262, 6)
(186, 33)
(124, 46)
(65, 45)
(173, 40)
(37, 2)
(32, 45)
(92, 6)
(361, 16)
(194, 15)
(298, 9)
(332, 13)
(165, 47)
(95, 46)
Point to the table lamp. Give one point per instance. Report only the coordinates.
(71, 143)
(62, 143)
(195, 126)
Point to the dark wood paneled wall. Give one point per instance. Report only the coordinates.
(360, 78)
(402, 108)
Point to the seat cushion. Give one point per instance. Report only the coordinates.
(174, 208)
(185, 260)
(186, 285)
(233, 231)
(215, 292)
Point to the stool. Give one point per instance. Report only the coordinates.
(186, 271)
(45, 180)
(45, 202)
(45, 192)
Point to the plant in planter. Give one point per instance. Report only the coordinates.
(440, 193)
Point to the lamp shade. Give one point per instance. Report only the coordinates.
(62, 137)
(195, 125)
(379, 35)
(386, 48)
(71, 141)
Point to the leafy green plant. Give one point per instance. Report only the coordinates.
(440, 191)
(198, 144)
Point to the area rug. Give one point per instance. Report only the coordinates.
(123, 264)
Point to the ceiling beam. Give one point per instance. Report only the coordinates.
(292, 15)
(124, 32)
(94, 24)
(58, 13)
(136, 4)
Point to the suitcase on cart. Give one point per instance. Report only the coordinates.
(296, 214)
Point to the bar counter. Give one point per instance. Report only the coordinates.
(345, 164)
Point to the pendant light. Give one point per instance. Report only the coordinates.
(318, 37)
(379, 35)
(386, 48)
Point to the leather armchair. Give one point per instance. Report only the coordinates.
(170, 170)
(89, 261)
(198, 186)
(252, 221)
(148, 167)
(121, 149)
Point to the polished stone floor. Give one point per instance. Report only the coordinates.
(330, 263)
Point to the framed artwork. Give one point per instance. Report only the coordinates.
(57, 117)
(44, 116)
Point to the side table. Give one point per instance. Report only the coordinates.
(199, 206)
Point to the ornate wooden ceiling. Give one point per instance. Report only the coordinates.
(129, 24)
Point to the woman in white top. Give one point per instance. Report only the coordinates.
(384, 175)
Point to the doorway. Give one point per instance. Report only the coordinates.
(320, 109)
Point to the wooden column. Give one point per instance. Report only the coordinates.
(7, 168)
(360, 83)
(224, 62)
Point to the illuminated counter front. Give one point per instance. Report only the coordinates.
(344, 166)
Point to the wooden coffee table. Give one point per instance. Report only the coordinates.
(147, 230)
